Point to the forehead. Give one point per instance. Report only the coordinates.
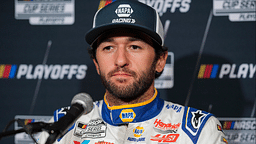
(133, 36)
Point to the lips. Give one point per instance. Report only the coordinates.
(122, 73)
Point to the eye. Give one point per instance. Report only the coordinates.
(135, 47)
(107, 48)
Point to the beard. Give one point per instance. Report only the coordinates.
(134, 90)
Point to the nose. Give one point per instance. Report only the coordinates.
(121, 59)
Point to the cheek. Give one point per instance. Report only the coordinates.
(104, 64)
(144, 62)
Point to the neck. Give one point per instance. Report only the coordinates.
(115, 101)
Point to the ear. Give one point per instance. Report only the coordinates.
(96, 65)
(161, 62)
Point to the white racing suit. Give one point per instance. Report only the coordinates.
(152, 122)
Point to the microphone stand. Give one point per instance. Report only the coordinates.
(30, 129)
(12, 132)
(52, 137)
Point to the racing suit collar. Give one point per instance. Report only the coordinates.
(118, 115)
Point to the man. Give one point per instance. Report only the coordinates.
(127, 49)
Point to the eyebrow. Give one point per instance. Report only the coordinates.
(129, 39)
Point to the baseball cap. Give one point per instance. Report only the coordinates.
(130, 14)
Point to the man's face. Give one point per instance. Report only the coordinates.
(126, 65)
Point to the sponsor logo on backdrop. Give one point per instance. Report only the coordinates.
(166, 80)
(239, 130)
(94, 129)
(8, 71)
(237, 10)
(231, 71)
(46, 12)
(172, 6)
(29, 71)
(103, 3)
(22, 138)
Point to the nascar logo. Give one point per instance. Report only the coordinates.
(10, 71)
(211, 71)
(28, 121)
(127, 115)
(82, 126)
(104, 3)
(239, 125)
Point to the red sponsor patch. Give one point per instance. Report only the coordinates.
(102, 142)
(76, 142)
(165, 138)
(159, 124)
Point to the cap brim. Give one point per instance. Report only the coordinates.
(93, 34)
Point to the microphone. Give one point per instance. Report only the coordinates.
(82, 103)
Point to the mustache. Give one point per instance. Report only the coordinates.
(124, 69)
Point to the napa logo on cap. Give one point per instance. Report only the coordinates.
(124, 10)
(138, 131)
(127, 115)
